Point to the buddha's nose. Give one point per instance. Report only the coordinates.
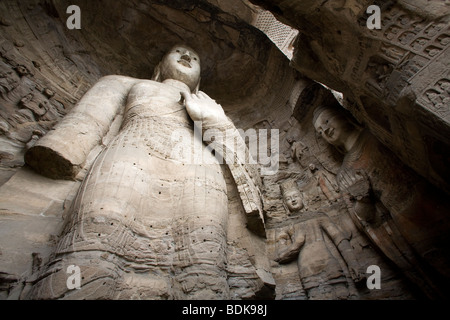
(186, 56)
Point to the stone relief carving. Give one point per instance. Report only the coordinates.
(394, 219)
(318, 186)
(437, 97)
(321, 275)
(413, 43)
(142, 208)
(391, 66)
(311, 166)
(378, 72)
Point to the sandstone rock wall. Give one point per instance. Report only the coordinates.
(46, 68)
(394, 79)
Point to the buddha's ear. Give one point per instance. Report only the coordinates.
(287, 211)
(157, 73)
(197, 88)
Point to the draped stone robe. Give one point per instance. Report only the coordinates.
(147, 222)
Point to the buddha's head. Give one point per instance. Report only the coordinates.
(333, 125)
(180, 63)
(292, 197)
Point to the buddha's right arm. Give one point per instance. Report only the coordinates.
(61, 153)
(291, 252)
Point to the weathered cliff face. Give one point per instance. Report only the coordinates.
(395, 79)
(395, 83)
(45, 69)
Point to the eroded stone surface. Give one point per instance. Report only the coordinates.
(394, 80)
(46, 70)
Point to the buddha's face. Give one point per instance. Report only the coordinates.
(183, 64)
(332, 127)
(293, 200)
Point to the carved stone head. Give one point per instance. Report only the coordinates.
(334, 127)
(180, 63)
(292, 198)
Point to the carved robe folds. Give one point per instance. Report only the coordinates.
(411, 221)
(147, 222)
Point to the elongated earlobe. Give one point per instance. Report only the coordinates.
(157, 73)
(287, 211)
(197, 88)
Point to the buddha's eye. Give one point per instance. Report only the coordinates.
(178, 51)
(195, 58)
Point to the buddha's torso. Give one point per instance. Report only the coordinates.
(145, 204)
(315, 259)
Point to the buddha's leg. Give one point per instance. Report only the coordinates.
(199, 232)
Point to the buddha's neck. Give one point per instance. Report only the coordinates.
(177, 84)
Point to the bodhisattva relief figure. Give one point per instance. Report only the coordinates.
(320, 272)
(401, 214)
(147, 223)
(292, 198)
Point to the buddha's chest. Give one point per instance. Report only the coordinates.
(154, 98)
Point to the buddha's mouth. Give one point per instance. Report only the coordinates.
(329, 132)
(185, 63)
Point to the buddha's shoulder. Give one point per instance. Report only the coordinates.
(151, 84)
(130, 81)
